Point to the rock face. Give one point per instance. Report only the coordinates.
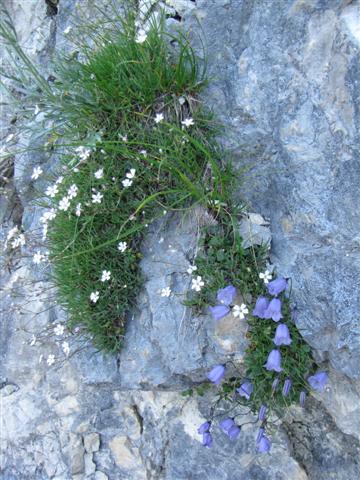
(285, 84)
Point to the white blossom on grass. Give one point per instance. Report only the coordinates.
(72, 191)
(127, 182)
(191, 269)
(105, 276)
(143, 152)
(59, 329)
(94, 296)
(197, 284)
(159, 117)
(64, 204)
(38, 258)
(78, 210)
(50, 360)
(265, 276)
(99, 173)
(52, 191)
(48, 215)
(122, 246)
(188, 122)
(97, 197)
(37, 171)
(83, 152)
(59, 180)
(166, 292)
(66, 348)
(240, 311)
(141, 36)
(131, 173)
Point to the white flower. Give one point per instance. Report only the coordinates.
(94, 296)
(38, 258)
(44, 231)
(83, 152)
(51, 190)
(93, 76)
(187, 122)
(66, 348)
(68, 30)
(59, 180)
(166, 292)
(126, 182)
(105, 276)
(73, 191)
(19, 241)
(197, 284)
(191, 269)
(48, 215)
(12, 232)
(59, 329)
(240, 311)
(124, 138)
(64, 204)
(99, 173)
(122, 247)
(97, 197)
(266, 276)
(143, 152)
(37, 171)
(141, 36)
(159, 117)
(131, 173)
(50, 360)
(78, 210)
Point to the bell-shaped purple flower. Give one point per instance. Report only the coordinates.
(275, 384)
(204, 427)
(277, 286)
(219, 311)
(274, 310)
(286, 387)
(207, 439)
(216, 374)
(261, 305)
(318, 381)
(245, 390)
(274, 361)
(234, 432)
(226, 295)
(262, 412)
(263, 445)
(282, 335)
(302, 399)
(226, 424)
(260, 434)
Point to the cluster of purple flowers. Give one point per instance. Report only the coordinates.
(264, 309)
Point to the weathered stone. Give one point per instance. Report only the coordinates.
(254, 230)
(92, 442)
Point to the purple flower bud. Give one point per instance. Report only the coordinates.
(262, 412)
(302, 399)
(226, 424)
(263, 445)
(217, 374)
(286, 387)
(219, 311)
(318, 381)
(274, 310)
(245, 390)
(261, 305)
(274, 361)
(275, 384)
(234, 432)
(204, 427)
(260, 434)
(207, 439)
(277, 286)
(226, 295)
(282, 335)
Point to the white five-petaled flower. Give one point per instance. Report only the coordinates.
(59, 329)
(127, 182)
(38, 258)
(50, 360)
(99, 173)
(97, 197)
(66, 348)
(240, 311)
(166, 292)
(48, 215)
(37, 171)
(64, 204)
(265, 276)
(159, 117)
(191, 269)
(51, 191)
(59, 180)
(94, 296)
(83, 152)
(122, 246)
(124, 138)
(72, 191)
(197, 284)
(141, 36)
(131, 173)
(187, 122)
(105, 276)
(78, 210)
(19, 241)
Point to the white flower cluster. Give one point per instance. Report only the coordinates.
(128, 181)
(16, 238)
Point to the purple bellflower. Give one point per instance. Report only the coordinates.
(262, 412)
(226, 295)
(245, 390)
(263, 445)
(282, 335)
(302, 399)
(277, 286)
(286, 387)
(260, 434)
(207, 439)
(226, 424)
(274, 310)
(234, 432)
(275, 384)
(204, 427)
(261, 305)
(219, 311)
(274, 361)
(216, 374)
(318, 381)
